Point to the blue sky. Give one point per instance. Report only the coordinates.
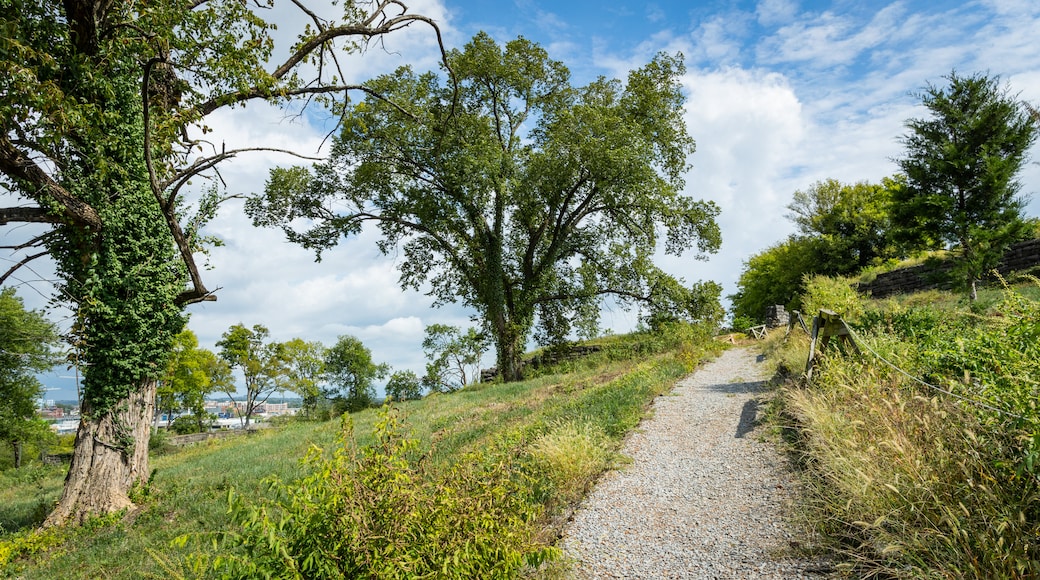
(780, 94)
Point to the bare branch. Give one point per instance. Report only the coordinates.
(33, 243)
(17, 266)
(36, 215)
(326, 35)
(207, 163)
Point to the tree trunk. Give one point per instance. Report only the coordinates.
(17, 453)
(109, 456)
(508, 349)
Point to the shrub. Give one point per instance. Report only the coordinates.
(570, 455)
(378, 512)
(837, 294)
(907, 481)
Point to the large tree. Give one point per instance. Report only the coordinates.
(511, 191)
(101, 106)
(848, 223)
(26, 343)
(961, 167)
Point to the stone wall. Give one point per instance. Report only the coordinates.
(1022, 256)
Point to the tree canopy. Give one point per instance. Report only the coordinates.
(404, 386)
(102, 116)
(454, 357)
(26, 340)
(961, 166)
(849, 224)
(511, 191)
(350, 371)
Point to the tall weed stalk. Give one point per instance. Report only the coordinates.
(905, 481)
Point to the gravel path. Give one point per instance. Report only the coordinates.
(703, 497)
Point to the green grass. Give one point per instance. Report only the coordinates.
(610, 392)
(901, 480)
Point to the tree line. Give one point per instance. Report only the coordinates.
(329, 381)
(957, 190)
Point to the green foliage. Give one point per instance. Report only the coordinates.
(305, 371)
(961, 169)
(571, 454)
(511, 191)
(193, 374)
(906, 480)
(454, 357)
(375, 511)
(26, 340)
(259, 361)
(773, 276)
(404, 386)
(842, 230)
(350, 371)
(27, 543)
(832, 293)
(848, 224)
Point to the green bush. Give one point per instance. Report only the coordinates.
(571, 455)
(379, 512)
(837, 294)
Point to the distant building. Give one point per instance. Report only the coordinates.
(52, 412)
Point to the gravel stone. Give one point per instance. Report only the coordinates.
(704, 496)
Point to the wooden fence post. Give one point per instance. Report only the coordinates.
(825, 325)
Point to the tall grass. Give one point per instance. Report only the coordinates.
(905, 481)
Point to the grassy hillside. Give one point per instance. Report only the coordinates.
(920, 456)
(545, 439)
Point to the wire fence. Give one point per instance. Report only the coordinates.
(975, 402)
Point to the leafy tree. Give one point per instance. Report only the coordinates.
(26, 340)
(404, 386)
(262, 364)
(193, 374)
(305, 371)
(849, 224)
(454, 357)
(101, 107)
(842, 229)
(773, 276)
(509, 190)
(961, 167)
(350, 371)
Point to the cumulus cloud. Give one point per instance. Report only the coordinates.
(778, 97)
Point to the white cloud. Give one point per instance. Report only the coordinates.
(778, 99)
(829, 39)
(773, 12)
(749, 125)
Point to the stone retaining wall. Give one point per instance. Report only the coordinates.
(1021, 256)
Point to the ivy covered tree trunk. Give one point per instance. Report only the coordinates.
(510, 333)
(96, 114)
(122, 281)
(109, 458)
